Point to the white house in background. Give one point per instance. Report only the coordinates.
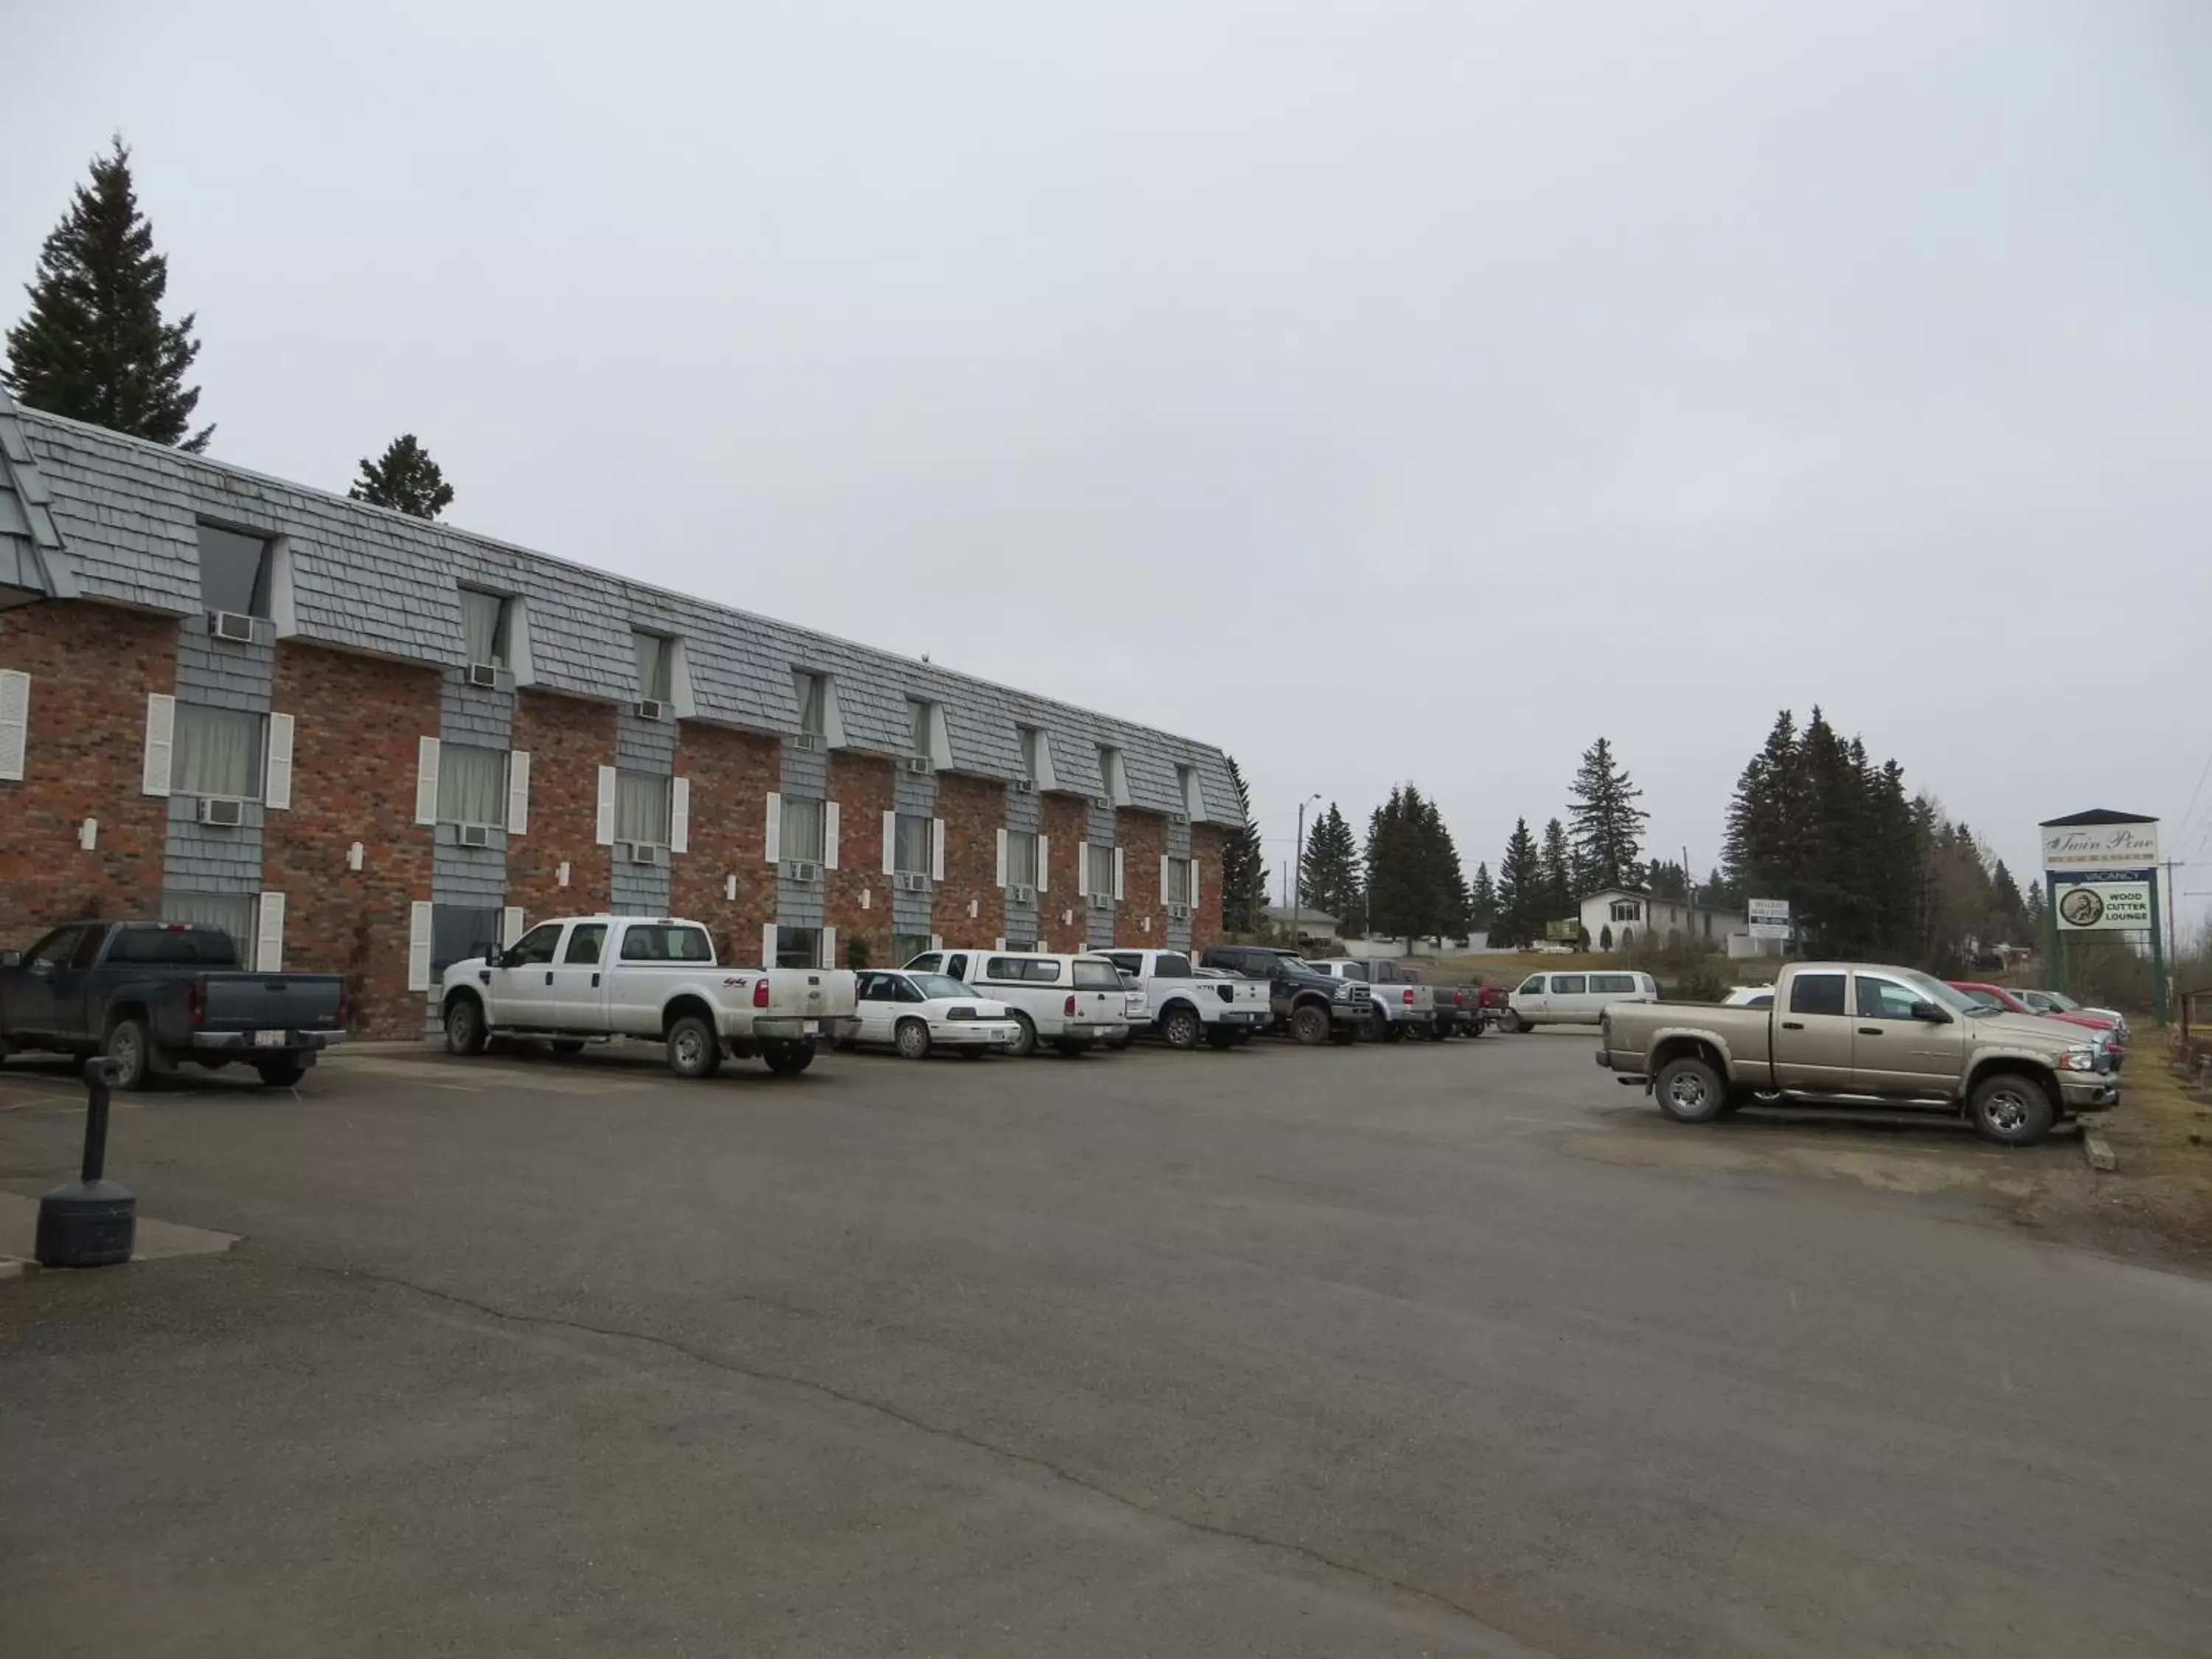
(1312, 923)
(1629, 918)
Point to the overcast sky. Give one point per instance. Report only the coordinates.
(1379, 389)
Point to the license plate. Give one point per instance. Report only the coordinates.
(269, 1039)
(813, 1028)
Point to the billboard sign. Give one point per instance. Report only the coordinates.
(2099, 906)
(1565, 932)
(2100, 845)
(1769, 918)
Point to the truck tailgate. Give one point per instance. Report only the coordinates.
(811, 994)
(242, 1001)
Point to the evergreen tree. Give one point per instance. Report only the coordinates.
(2032, 916)
(1559, 895)
(1451, 905)
(1482, 900)
(1394, 900)
(2007, 910)
(1330, 872)
(1243, 871)
(1520, 888)
(94, 346)
(405, 479)
(1609, 825)
(1761, 852)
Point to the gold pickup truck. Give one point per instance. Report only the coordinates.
(1858, 1034)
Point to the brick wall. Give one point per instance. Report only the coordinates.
(91, 667)
(1143, 839)
(568, 740)
(862, 786)
(974, 811)
(1205, 927)
(732, 773)
(356, 721)
(1065, 821)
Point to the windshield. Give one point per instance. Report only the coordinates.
(1945, 996)
(940, 985)
(2060, 1000)
(1098, 976)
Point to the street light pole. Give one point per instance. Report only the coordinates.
(1298, 868)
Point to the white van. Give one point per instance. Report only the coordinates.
(1574, 998)
(1069, 1001)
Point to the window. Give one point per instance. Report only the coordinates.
(218, 753)
(1885, 998)
(483, 626)
(907, 991)
(655, 665)
(1102, 870)
(665, 941)
(801, 836)
(1194, 798)
(1613, 984)
(55, 950)
(458, 932)
(1178, 880)
(232, 912)
(1033, 749)
(1112, 781)
(1091, 975)
(918, 719)
(940, 984)
(1022, 971)
(910, 846)
(906, 949)
(641, 808)
(798, 947)
(925, 963)
(585, 943)
(1627, 910)
(813, 691)
(1021, 858)
(1817, 993)
(472, 785)
(1127, 961)
(1355, 971)
(1567, 985)
(177, 945)
(536, 947)
(1170, 965)
(234, 571)
(1026, 945)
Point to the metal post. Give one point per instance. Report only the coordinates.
(92, 1223)
(1297, 872)
(98, 1095)
(2057, 968)
(2157, 953)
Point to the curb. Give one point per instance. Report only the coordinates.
(2097, 1151)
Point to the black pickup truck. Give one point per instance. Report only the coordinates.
(1308, 1004)
(151, 995)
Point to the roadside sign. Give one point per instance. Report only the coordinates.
(2129, 845)
(1569, 930)
(2099, 906)
(1769, 918)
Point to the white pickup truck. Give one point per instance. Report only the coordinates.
(1400, 1008)
(655, 977)
(1187, 1010)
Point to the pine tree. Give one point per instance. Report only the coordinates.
(1766, 817)
(1482, 900)
(1609, 825)
(2033, 916)
(94, 346)
(1243, 871)
(1451, 905)
(1330, 873)
(1520, 888)
(2008, 911)
(405, 479)
(1559, 895)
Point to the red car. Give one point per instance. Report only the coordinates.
(1997, 995)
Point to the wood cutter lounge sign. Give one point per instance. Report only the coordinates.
(2101, 867)
(2090, 906)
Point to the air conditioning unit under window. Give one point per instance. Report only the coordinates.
(1026, 786)
(475, 834)
(1021, 895)
(1104, 803)
(904, 883)
(230, 625)
(1102, 901)
(651, 708)
(800, 870)
(806, 740)
(644, 852)
(1178, 817)
(228, 814)
(919, 763)
(1178, 913)
(484, 674)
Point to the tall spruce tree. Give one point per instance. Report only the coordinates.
(1482, 900)
(1520, 888)
(1393, 877)
(1609, 825)
(405, 479)
(1450, 906)
(1330, 873)
(1243, 871)
(94, 346)
(1559, 894)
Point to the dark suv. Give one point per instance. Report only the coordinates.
(1307, 1006)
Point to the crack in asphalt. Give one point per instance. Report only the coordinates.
(1506, 1645)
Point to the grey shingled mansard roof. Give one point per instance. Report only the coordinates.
(92, 514)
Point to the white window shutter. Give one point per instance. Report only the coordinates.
(1164, 877)
(829, 836)
(518, 792)
(774, 843)
(269, 935)
(890, 839)
(15, 722)
(1193, 887)
(1082, 869)
(679, 815)
(426, 780)
(418, 945)
(510, 924)
(1002, 858)
(276, 776)
(828, 947)
(1117, 875)
(603, 831)
(937, 849)
(768, 938)
(1044, 863)
(160, 742)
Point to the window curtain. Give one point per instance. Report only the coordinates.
(480, 618)
(1102, 869)
(912, 850)
(802, 828)
(218, 753)
(472, 785)
(1021, 858)
(641, 809)
(1178, 881)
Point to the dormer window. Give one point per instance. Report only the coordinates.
(484, 626)
(917, 713)
(813, 691)
(1194, 798)
(234, 571)
(656, 677)
(1113, 777)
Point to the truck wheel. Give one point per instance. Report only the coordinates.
(1690, 1091)
(788, 1058)
(1024, 1042)
(1309, 1025)
(912, 1039)
(280, 1073)
(1511, 1021)
(1395, 1032)
(1182, 1029)
(1375, 1027)
(694, 1049)
(465, 1026)
(2012, 1108)
(126, 1047)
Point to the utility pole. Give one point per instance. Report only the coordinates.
(1298, 868)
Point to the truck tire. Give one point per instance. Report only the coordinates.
(128, 1048)
(1182, 1027)
(1310, 1024)
(1024, 1042)
(1690, 1090)
(280, 1073)
(788, 1058)
(1396, 1031)
(465, 1025)
(694, 1049)
(1510, 1020)
(2012, 1108)
(911, 1039)
(1375, 1027)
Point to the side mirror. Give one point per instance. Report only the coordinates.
(1931, 1013)
(11, 959)
(504, 959)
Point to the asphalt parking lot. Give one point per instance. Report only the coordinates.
(1446, 1349)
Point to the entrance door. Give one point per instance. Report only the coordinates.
(1812, 1036)
(1895, 1054)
